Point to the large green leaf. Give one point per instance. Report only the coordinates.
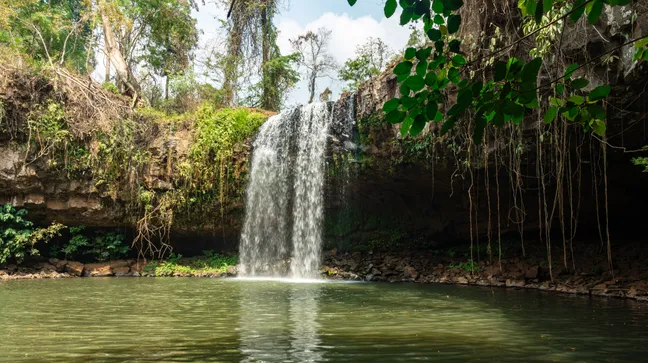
(576, 99)
(539, 11)
(352, 2)
(480, 126)
(498, 119)
(569, 72)
(421, 68)
(465, 98)
(454, 21)
(500, 71)
(437, 7)
(431, 79)
(391, 105)
(454, 75)
(599, 127)
(418, 125)
(596, 111)
(594, 10)
(408, 102)
(390, 8)
(551, 114)
(431, 109)
(528, 7)
(531, 69)
(410, 53)
(424, 53)
(452, 5)
(579, 9)
(434, 34)
(405, 126)
(406, 16)
(599, 93)
(579, 83)
(438, 19)
(512, 109)
(448, 125)
(458, 60)
(404, 89)
(415, 83)
(403, 68)
(395, 117)
(528, 97)
(455, 46)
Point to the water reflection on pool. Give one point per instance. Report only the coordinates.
(153, 320)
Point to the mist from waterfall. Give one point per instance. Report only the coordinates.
(282, 233)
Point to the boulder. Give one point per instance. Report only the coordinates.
(411, 272)
(121, 271)
(60, 265)
(515, 283)
(119, 264)
(74, 268)
(98, 270)
(46, 267)
(532, 272)
(232, 271)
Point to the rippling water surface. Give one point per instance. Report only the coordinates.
(205, 320)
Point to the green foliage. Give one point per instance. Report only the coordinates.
(58, 30)
(107, 246)
(511, 92)
(77, 242)
(110, 87)
(217, 131)
(209, 264)
(279, 77)
(642, 161)
(469, 266)
(19, 236)
(370, 60)
(97, 245)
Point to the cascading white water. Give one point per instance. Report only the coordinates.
(285, 196)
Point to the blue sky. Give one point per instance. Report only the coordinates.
(307, 11)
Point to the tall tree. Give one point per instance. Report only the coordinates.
(370, 60)
(159, 34)
(315, 57)
(251, 44)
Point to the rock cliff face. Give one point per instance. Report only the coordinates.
(387, 192)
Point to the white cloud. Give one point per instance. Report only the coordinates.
(347, 34)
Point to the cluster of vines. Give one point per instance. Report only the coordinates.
(499, 89)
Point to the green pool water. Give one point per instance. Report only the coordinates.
(212, 320)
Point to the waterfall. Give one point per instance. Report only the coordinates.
(285, 195)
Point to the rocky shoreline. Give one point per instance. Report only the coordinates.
(56, 269)
(386, 267)
(515, 273)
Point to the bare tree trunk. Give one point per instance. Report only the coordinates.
(311, 88)
(266, 102)
(231, 67)
(115, 56)
(107, 70)
(166, 88)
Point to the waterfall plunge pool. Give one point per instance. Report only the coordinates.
(237, 320)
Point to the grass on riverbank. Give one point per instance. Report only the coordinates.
(209, 264)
